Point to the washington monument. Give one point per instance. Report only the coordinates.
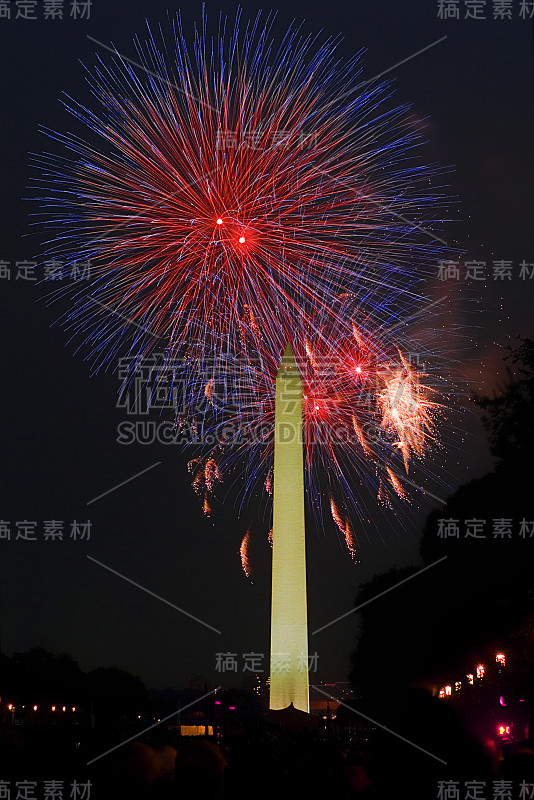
(289, 618)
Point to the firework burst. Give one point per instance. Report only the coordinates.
(368, 413)
(232, 197)
(235, 193)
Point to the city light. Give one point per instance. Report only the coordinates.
(196, 730)
(470, 678)
(442, 692)
(500, 658)
(448, 690)
(480, 671)
(503, 730)
(35, 708)
(53, 708)
(458, 686)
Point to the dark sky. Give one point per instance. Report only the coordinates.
(475, 88)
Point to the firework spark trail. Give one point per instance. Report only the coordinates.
(342, 522)
(243, 551)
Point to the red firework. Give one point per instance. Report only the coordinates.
(234, 196)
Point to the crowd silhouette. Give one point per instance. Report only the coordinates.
(423, 745)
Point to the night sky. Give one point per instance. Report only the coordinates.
(473, 92)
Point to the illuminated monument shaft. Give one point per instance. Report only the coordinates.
(289, 619)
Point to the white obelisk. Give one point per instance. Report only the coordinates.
(289, 617)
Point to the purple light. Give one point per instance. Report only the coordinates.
(217, 702)
(501, 701)
(231, 708)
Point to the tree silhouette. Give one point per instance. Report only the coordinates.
(509, 419)
(115, 691)
(42, 676)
